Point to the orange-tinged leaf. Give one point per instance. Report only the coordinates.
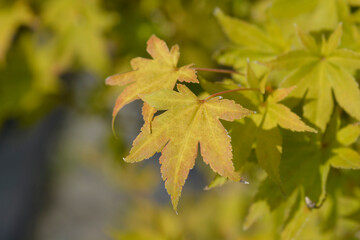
(149, 75)
(177, 133)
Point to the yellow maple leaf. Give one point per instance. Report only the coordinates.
(177, 132)
(149, 75)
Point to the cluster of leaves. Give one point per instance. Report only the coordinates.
(296, 71)
(319, 58)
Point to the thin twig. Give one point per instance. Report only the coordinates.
(229, 91)
(218, 70)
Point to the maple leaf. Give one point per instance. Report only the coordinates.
(177, 132)
(249, 41)
(319, 69)
(149, 75)
(301, 168)
(268, 137)
(306, 163)
(262, 128)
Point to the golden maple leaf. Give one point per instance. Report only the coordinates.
(149, 75)
(177, 132)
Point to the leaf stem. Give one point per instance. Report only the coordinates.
(218, 70)
(229, 91)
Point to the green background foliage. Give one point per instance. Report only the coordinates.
(57, 53)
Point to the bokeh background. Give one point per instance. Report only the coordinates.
(62, 174)
(61, 170)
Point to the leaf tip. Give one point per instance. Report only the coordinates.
(175, 201)
(108, 80)
(111, 80)
(126, 159)
(312, 130)
(152, 38)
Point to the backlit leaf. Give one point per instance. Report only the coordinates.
(287, 119)
(319, 73)
(149, 75)
(348, 134)
(177, 133)
(268, 137)
(345, 158)
(251, 41)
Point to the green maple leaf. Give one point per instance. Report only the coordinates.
(305, 166)
(264, 127)
(319, 69)
(301, 169)
(268, 137)
(249, 41)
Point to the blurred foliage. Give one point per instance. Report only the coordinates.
(42, 42)
(45, 45)
(221, 214)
